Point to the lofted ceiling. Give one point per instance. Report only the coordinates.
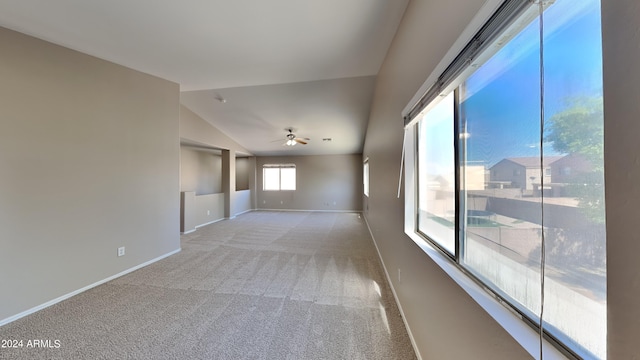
(308, 65)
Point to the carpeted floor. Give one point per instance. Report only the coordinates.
(265, 285)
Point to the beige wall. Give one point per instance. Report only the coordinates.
(621, 36)
(209, 208)
(244, 170)
(323, 182)
(89, 157)
(444, 321)
(200, 171)
(195, 129)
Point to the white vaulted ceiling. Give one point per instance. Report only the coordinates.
(306, 64)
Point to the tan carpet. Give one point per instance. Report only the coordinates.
(266, 285)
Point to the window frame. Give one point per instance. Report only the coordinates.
(512, 321)
(456, 199)
(522, 329)
(279, 167)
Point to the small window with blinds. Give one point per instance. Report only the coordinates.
(278, 177)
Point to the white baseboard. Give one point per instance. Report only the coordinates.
(244, 212)
(215, 221)
(393, 290)
(310, 210)
(76, 292)
(209, 223)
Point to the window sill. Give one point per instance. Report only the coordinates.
(527, 337)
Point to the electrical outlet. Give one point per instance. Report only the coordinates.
(399, 275)
(208, 212)
(121, 251)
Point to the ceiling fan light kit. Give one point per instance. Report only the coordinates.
(292, 139)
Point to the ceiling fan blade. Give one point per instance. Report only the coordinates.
(300, 141)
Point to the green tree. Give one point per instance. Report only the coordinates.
(579, 129)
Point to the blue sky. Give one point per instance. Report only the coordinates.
(503, 96)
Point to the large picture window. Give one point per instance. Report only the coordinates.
(277, 177)
(509, 181)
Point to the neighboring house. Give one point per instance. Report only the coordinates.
(566, 169)
(522, 172)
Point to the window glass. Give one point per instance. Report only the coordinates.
(574, 213)
(500, 115)
(436, 174)
(271, 178)
(287, 178)
(365, 177)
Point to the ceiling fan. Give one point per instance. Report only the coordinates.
(292, 139)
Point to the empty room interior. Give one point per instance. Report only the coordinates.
(359, 179)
